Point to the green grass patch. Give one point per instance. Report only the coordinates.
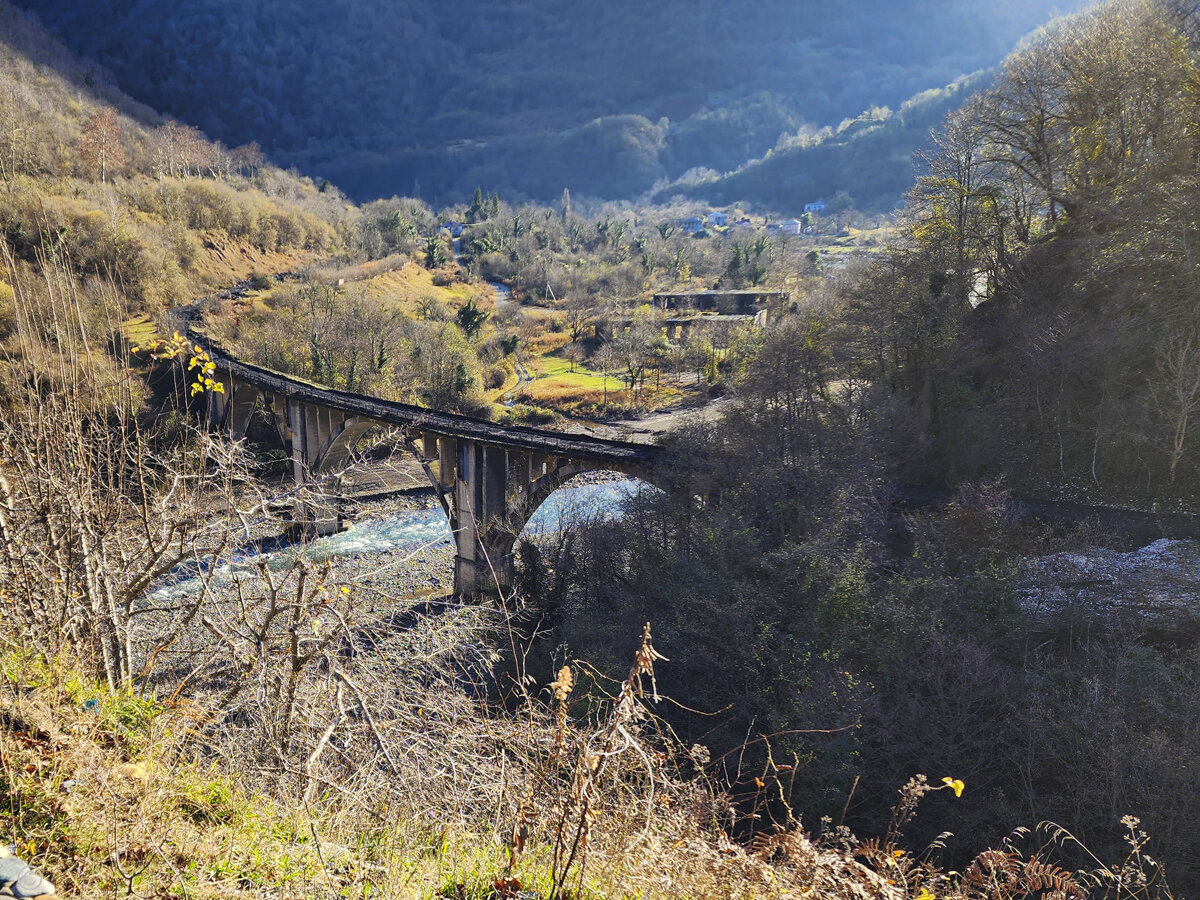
(139, 329)
(554, 366)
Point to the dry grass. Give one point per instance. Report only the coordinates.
(567, 396)
(115, 795)
(405, 285)
(222, 261)
(547, 342)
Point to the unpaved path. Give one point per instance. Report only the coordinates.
(650, 427)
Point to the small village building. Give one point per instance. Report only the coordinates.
(677, 328)
(716, 219)
(691, 224)
(818, 206)
(729, 303)
(454, 229)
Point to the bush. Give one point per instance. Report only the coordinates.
(526, 414)
(495, 378)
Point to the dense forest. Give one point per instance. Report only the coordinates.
(610, 101)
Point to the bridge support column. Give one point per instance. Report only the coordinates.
(241, 407)
(485, 525)
(315, 510)
(218, 402)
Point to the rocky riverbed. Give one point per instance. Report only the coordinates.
(1155, 588)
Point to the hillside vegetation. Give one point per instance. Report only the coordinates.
(519, 97)
(867, 159)
(1039, 320)
(1032, 329)
(148, 212)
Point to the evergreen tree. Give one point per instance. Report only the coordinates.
(477, 213)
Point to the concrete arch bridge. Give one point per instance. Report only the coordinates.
(489, 478)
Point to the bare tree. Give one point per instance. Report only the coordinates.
(100, 144)
(19, 137)
(606, 359)
(574, 353)
(1177, 394)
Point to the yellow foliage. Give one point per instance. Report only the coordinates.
(199, 361)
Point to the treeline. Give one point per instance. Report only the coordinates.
(606, 100)
(869, 157)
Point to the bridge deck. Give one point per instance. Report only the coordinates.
(539, 440)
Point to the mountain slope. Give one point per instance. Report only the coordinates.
(867, 160)
(146, 213)
(516, 95)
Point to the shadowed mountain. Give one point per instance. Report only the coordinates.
(607, 100)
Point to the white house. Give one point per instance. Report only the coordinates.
(817, 207)
(716, 219)
(691, 224)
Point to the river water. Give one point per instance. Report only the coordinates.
(412, 532)
(421, 527)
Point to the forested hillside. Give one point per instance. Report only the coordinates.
(866, 161)
(1033, 329)
(1039, 320)
(149, 212)
(608, 101)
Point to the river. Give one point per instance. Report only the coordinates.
(420, 527)
(413, 545)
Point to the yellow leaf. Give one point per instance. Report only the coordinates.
(925, 894)
(955, 785)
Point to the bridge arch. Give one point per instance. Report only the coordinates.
(337, 451)
(538, 501)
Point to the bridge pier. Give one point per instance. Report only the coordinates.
(315, 464)
(243, 399)
(492, 493)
